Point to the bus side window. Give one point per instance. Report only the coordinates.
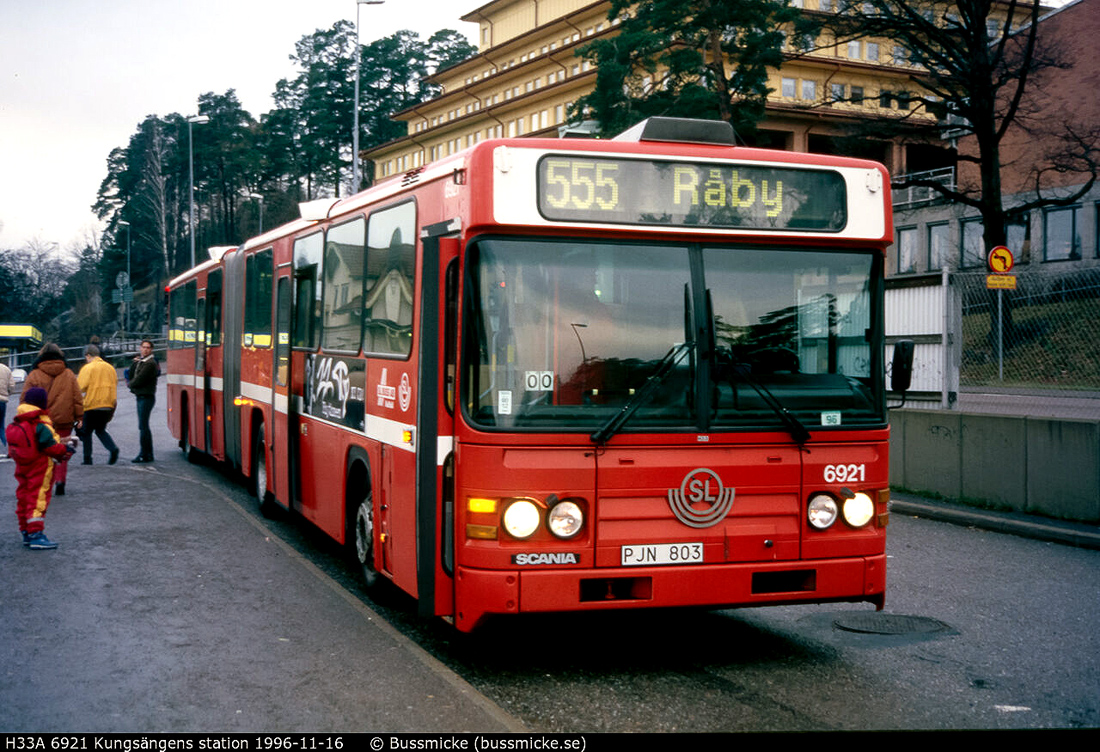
(182, 330)
(307, 289)
(259, 278)
(344, 252)
(388, 297)
(214, 308)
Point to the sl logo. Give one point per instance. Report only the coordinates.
(700, 487)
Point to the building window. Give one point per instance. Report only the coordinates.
(825, 6)
(939, 243)
(1061, 238)
(809, 90)
(973, 244)
(872, 50)
(1018, 234)
(837, 92)
(857, 94)
(884, 98)
(789, 87)
(907, 249)
(855, 50)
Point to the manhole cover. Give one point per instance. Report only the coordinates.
(889, 624)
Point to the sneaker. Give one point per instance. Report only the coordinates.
(39, 542)
(26, 538)
(139, 459)
(114, 457)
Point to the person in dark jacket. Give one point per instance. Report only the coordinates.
(143, 384)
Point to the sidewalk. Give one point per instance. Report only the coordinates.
(168, 608)
(1015, 523)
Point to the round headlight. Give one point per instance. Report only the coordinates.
(859, 510)
(566, 519)
(822, 511)
(521, 518)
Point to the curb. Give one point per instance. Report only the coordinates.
(1029, 526)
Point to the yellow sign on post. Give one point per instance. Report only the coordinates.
(1000, 262)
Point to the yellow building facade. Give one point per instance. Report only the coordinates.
(527, 73)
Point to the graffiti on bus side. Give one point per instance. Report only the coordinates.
(336, 388)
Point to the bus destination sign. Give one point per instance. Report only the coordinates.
(656, 192)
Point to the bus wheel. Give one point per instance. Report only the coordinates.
(259, 475)
(189, 451)
(364, 542)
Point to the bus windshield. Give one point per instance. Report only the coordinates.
(565, 335)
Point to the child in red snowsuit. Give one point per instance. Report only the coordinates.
(35, 446)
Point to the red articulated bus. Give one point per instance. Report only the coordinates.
(562, 375)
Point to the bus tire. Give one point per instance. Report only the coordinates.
(259, 475)
(189, 452)
(363, 540)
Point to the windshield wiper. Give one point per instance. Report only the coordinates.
(660, 374)
(793, 425)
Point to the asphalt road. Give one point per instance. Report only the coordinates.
(169, 608)
(172, 605)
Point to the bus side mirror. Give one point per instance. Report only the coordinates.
(901, 369)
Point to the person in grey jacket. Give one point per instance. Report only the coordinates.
(7, 386)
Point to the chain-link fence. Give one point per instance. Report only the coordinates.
(1044, 335)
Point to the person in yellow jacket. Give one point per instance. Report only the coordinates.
(98, 381)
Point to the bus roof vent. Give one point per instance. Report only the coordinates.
(317, 209)
(680, 130)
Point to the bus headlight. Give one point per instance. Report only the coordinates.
(822, 511)
(566, 519)
(521, 518)
(858, 510)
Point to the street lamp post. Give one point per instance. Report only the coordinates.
(258, 197)
(355, 118)
(129, 277)
(199, 119)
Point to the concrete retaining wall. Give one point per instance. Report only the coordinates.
(1037, 465)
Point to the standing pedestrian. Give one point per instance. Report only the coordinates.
(37, 451)
(66, 403)
(7, 386)
(143, 383)
(99, 382)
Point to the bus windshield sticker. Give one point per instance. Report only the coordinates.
(337, 389)
(504, 402)
(539, 381)
(653, 192)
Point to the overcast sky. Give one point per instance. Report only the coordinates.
(78, 76)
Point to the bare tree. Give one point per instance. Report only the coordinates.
(973, 65)
(153, 193)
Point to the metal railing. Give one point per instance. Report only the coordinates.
(906, 195)
(118, 351)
